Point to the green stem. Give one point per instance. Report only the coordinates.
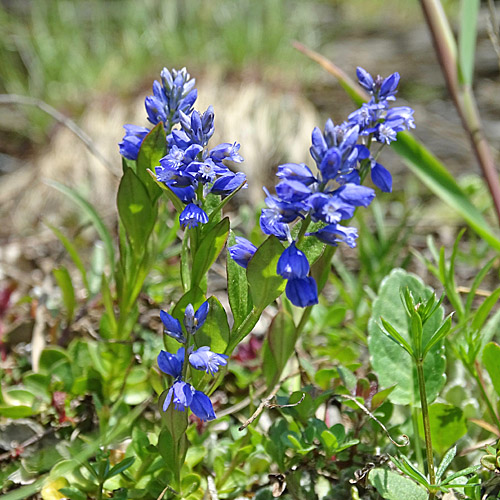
(418, 448)
(426, 422)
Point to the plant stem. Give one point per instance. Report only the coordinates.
(418, 448)
(427, 427)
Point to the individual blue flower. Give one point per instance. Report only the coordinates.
(296, 172)
(181, 394)
(201, 406)
(193, 321)
(359, 196)
(204, 359)
(192, 215)
(302, 292)
(226, 151)
(132, 141)
(171, 364)
(365, 79)
(293, 263)
(242, 251)
(381, 177)
(173, 327)
(334, 234)
(228, 183)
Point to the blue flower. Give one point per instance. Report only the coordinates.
(174, 95)
(204, 359)
(171, 364)
(194, 321)
(227, 183)
(302, 292)
(184, 395)
(381, 177)
(132, 141)
(201, 406)
(226, 151)
(334, 234)
(192, 215)
(173, 327)
(199, 129)
(296, 172)
(242, 252)
(293, 263)
(181, 393)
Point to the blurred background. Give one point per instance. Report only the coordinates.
(95, 61)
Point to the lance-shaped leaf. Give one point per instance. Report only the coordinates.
(153, 148)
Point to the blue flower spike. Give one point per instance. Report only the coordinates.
(332, 193)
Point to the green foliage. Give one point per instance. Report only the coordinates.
(392, 486)
(391, 363)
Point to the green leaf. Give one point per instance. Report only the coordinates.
(393, 486)
(405, 465)
(440, 334)
(91, 212)
(447, 459)
(73, 494)
(461, 473)
(178, 205)
(447, 424)
(237, 288)
(136, 211)
(475, 284)
(68, 292)
(491, 357)
(72, 251)
(215, 332)
(394, 335)
(279, 347)
(120, 467)
(265, 284)
(209, 249)
(389, 361)
(484, 310)
(467, 39)
(379, 397)
(153, 148)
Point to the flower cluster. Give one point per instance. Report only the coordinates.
(334, 190)
(175, 94)
(190, 169)
(181, 393)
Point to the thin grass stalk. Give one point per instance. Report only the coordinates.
(462, 95)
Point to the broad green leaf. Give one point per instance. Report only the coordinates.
(190, 484)
(265, 284)
(393, 486)
(215, 332)
(17, 411)
(237, 288)
(73, 253)
(136, 211)
(491, 361)
(209, 249)
(91, 212)
(447, 424)
(68, 292)
(279, 347)
(380, 397)
(391, 363)
(153, 148)
(467, 39)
